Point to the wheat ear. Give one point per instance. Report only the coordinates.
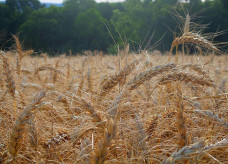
(118, 78)
(180, 117)
(223, 142)
(214, 117)
(9, 78)
(20, 54)
(33, 133)
(55, 74)
(31, 85)
(68, 70)
(192, 38)
(80, 87)
(221, 90)
(101, 152)
(187, 78)
(148, 74)
(183, 153)
(19, 126)
(196, 68)
(47, 67)
(141, 139)
(88, 106)
(90, 81)
(44, 56)
(18, 44)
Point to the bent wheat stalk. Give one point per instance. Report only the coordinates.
(9, 78)
(192, 38)
(181, 123)
(101, 153)
(148, 74)
(47, 67)
(19, 126)
(187, 78)
(118, 78)
(183, 153)
(195, 39)
(20, 54)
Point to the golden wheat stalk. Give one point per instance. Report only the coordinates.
(192, 38)
(184, 153)
(118, 78)
(89, 107)
(187, 78)
(20, 54)
(33, 133)
(45, 57)
(196, 68)
(68, 70)
(80, 87)
(90, 81)
(48, 67)
(21, 95)
(212, 116)
(101, 152)
(16, 135)
(66, 101)
(152, 126)
(113, 109)
(8, 74)
(26, 71)
(55, 74)
(31, 85)
(141, 139)
(1, 80)
(221, 90)
(181, 123)
(19, 48)
(219, 144)
(211, 97)
(148, 74)
(27, 53)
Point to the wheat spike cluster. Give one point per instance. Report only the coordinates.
(115, 108)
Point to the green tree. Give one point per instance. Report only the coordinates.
(22, 5)
(44, 30)
(80, 24)
(4, 20)
(90, 31)
(81, 5)
(225, 3)
(19, 11)
(106, 9)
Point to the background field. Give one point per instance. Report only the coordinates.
(129, 108)
(80, 25)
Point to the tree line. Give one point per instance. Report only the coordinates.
(80, 25)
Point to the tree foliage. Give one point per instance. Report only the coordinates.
(81, 25)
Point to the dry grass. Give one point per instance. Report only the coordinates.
(152, 117)
(113, 109)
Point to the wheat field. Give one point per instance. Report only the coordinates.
(143, 107)
(130, 108)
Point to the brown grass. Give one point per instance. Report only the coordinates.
(145, 111)
(128, 124)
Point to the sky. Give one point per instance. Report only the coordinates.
(60, 1)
